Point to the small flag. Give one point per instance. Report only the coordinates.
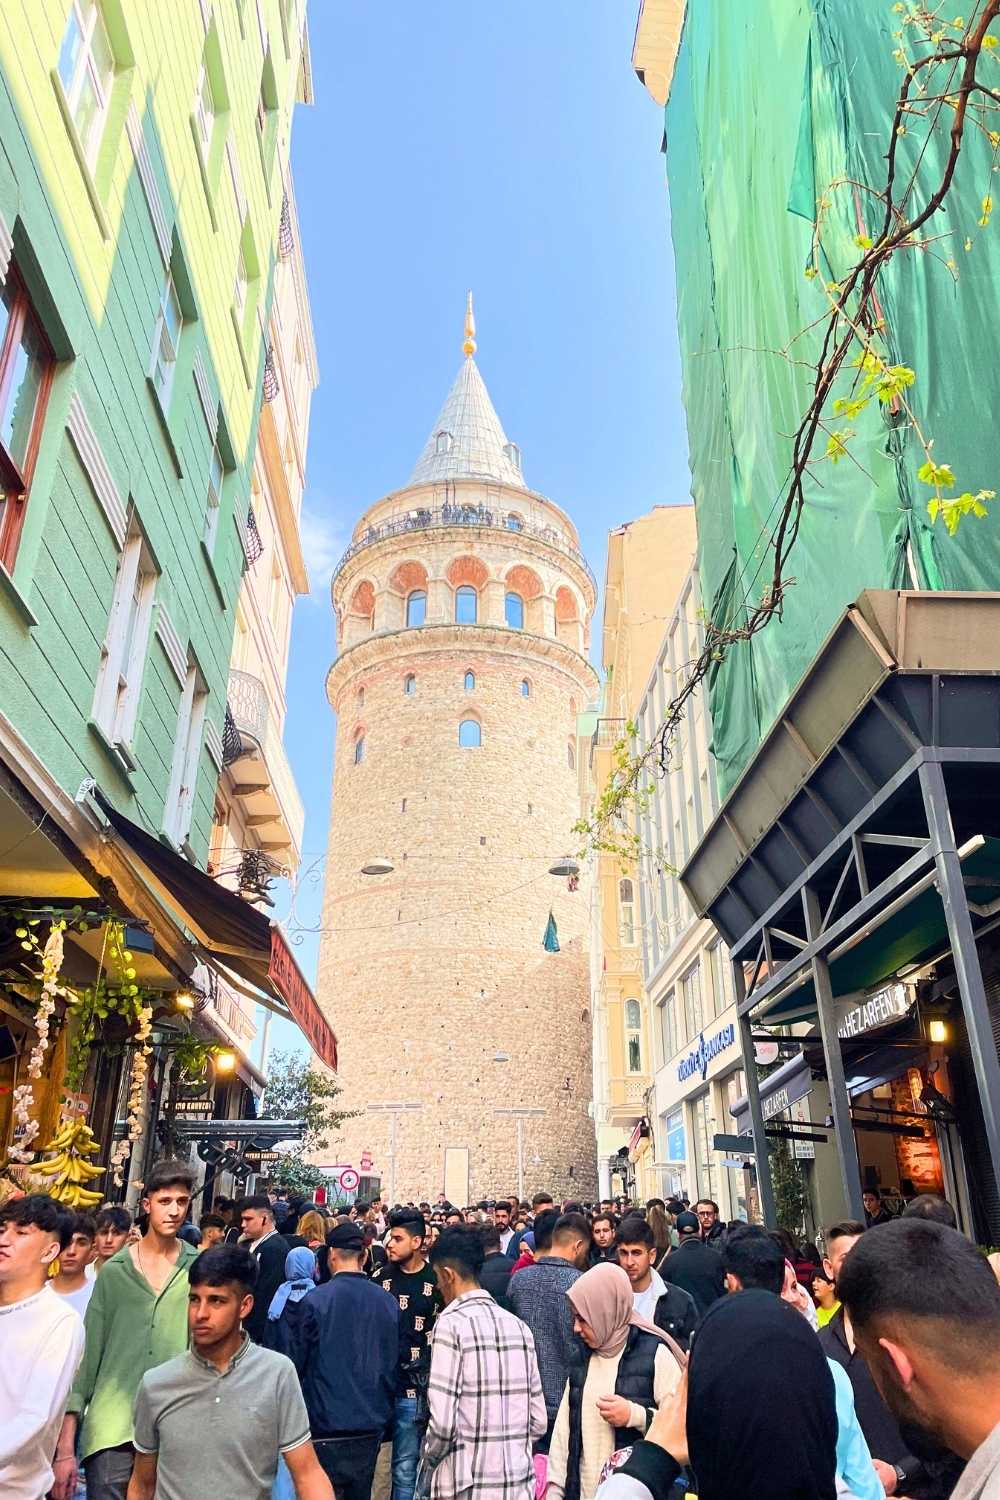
(550, 942)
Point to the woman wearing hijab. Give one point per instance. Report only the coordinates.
(285, 1311)
(628, 1367)
(756, 1415)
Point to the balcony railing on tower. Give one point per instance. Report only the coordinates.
(424, 518)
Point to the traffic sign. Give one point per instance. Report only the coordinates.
(349, 1179)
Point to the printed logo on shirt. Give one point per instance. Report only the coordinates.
(404, 1302)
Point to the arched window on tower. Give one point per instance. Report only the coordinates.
(513, 452)
(571, 756)
(416, 607)
(525, 688)
(626, 912)
(633, 1036)
(470, 681)
(359, 747)
(470, 734)
(466, 605)
(515, 522)
(443, 442)
(513, 609)
(409, 684)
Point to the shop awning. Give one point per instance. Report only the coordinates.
(229, 928)
(781, 1089)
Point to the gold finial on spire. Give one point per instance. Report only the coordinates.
(469, 347)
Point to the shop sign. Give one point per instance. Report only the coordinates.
(698, 1060)
(194, 1109)
(285, 975)
(889, 1004)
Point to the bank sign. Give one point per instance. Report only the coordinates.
(698, 1060)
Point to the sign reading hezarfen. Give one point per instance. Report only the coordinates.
(698, 1060)
(889, 1004)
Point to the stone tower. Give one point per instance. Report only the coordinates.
(463, 606)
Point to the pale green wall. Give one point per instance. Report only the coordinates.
(96, 275)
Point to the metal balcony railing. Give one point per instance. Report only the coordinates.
(607, 733)
(251, 712)
(423, 519)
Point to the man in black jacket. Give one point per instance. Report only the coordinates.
(497, 1267)
(347, 1356)
(694, 1265)
(669, 1307)
(269, 1249)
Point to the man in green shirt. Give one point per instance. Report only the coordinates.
(137, 1319)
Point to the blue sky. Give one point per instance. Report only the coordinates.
(508, 148)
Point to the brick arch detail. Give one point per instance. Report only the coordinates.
(407, 577)
(363, 599)
(523, 581)
(471, 571)
(567, 604)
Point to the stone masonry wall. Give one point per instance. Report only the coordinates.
(426, 974)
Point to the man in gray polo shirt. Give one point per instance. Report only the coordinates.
(214, 1420)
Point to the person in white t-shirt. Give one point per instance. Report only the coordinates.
(41, 1344)
(71, 1280)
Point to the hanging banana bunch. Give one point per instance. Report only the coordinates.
(68, 1169)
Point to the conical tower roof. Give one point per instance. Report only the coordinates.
(468, 441)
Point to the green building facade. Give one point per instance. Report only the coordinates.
(143, 163)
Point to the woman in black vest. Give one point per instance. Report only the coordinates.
(626, 1369)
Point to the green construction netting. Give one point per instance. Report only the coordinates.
(770, 104)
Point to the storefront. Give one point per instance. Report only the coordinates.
(694, 1094)
(900, 1085)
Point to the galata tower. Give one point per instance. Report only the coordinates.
(462, 607)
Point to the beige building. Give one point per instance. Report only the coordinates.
(259, 817)
(463, 607)
(647, 560)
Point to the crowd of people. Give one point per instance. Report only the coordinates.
(503, 1351)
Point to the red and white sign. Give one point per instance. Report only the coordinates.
(349, 1179)
(367, 1161)
(285, 975)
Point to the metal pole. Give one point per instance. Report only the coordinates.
(520, 1158)
(764, 1184)
(840, 1100)
(964, 954)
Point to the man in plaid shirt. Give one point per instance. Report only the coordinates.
(485, 1394)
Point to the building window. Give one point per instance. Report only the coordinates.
(514, 521)
(694, 1015)
(470, 681)
(409, 684)
(416, 607)
(513, 452)
(626, 912)
(166, 343)
(124, 652)
(359, 748)
(470, 735)
(525, 688)
(216, 476)
(513, 608)
(26, 366)
(571, 756)
(722, 982)
(87, 73)
(633, 1036)
(204, 110)
(668, 1025)
(704, 1155)
(443, 442)
(361, 697)
(187, 753)
(466, 605)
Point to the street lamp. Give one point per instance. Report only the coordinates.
(520, 1115)
(380, 865)
(394, 1111)
(565, 866)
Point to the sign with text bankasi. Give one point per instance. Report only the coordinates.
(697, 1061)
